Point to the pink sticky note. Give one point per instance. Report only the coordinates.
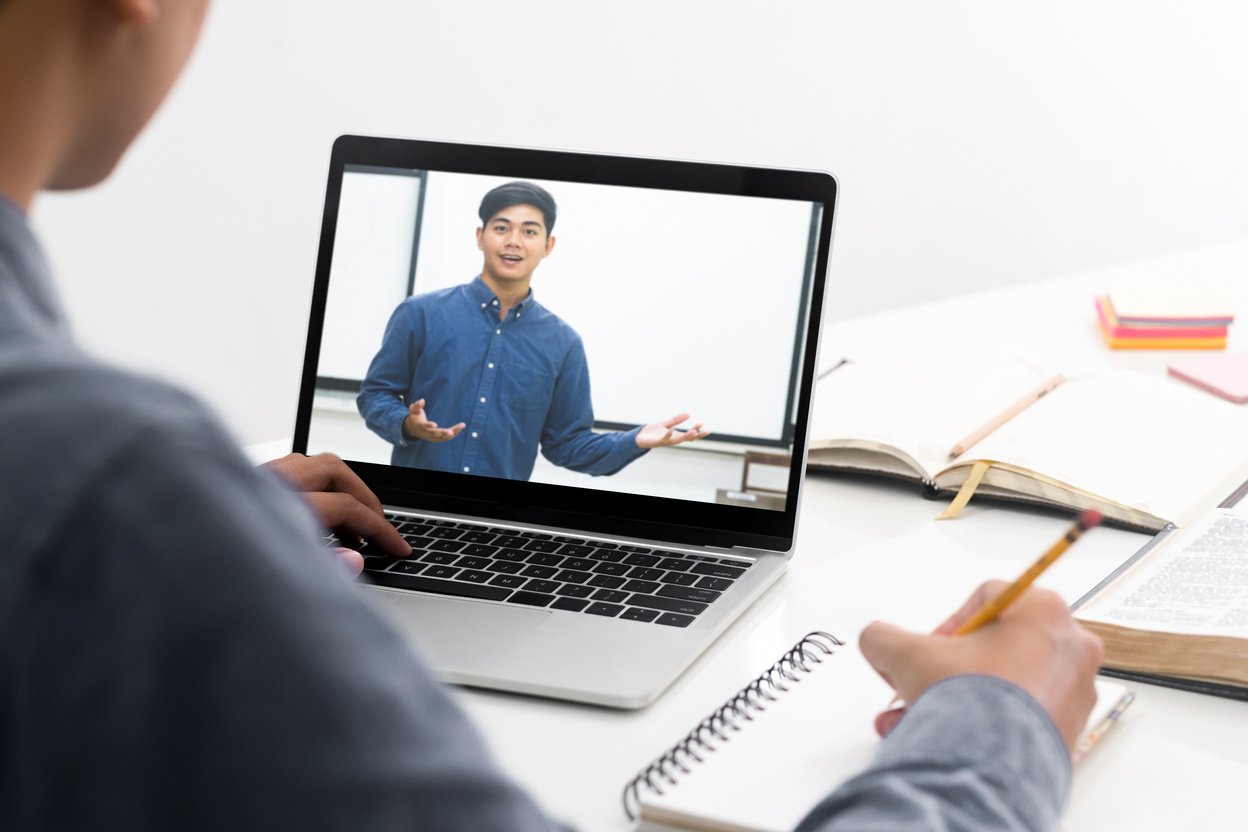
(1225, 374)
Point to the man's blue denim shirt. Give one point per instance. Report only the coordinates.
(516, 383)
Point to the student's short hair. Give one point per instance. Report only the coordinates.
(519, 193)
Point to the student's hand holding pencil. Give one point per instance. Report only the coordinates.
(1035, 644)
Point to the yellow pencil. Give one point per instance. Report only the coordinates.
(991, 609)
(996, 606)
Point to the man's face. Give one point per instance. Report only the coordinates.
(514, 242)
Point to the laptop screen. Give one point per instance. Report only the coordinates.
(539, 335)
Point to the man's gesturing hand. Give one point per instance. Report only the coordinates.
(417, 425)
(660, 434)
(342, 502)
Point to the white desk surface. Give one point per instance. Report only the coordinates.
(868, 550)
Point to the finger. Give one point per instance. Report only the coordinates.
(893, 652)
(695, 433)
(676, 420)
(886, 721)
(326, 472)
(350, 558)
(984, 593)
(344, 514)
(455, 429)
(289, 467)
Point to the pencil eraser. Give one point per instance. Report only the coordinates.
(1090, 518)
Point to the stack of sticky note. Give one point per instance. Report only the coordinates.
(1164, 316)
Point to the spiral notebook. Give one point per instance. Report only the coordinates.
(763, 759)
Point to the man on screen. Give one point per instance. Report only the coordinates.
(505, 373)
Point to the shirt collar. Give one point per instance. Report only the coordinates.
(485, 296)
(25, 268)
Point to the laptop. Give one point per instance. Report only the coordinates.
(580, 385)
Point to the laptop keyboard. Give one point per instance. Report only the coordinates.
(636, 583)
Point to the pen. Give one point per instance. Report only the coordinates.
(1092, 737)
(990, 609)
(1006, 415)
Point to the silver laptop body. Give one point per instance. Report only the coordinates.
(694, 288)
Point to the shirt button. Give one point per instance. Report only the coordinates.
(490, 365)
(467, 469)
(498, 332)
(474, 434)
(483, 306)
(483, 400)
(495, 303)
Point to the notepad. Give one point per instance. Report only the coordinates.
(1185, 302)
(762, 760)
(1163, 334)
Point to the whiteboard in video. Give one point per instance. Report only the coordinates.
(686, 302)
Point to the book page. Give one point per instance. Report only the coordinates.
(1147, 441)
(921, 405)
(1195, 583)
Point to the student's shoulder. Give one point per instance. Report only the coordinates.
(64, 399)
(71, 426)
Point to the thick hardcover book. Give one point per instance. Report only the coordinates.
(1177, 613)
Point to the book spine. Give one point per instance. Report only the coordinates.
(730, 717)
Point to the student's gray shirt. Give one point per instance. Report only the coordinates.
(177, 652)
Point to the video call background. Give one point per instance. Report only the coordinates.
(685, 302)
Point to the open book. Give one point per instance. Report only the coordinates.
(763, 759)
(1144, 450)
(1177, 613)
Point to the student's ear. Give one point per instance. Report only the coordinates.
(550, 244)
(480, 231)
(133, 11)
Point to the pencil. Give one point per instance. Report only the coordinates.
(1006, 415)
(996, 606)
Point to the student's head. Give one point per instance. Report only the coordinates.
(515, 234)
(87, 75)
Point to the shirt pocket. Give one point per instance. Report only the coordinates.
(526, 390)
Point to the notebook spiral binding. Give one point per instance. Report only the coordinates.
(728, 718)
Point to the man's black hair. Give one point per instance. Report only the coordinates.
(519, 193)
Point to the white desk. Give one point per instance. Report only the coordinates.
(872, 550)
(867, 550)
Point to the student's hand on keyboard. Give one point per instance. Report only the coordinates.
(343, 504)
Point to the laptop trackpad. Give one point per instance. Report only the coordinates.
(460, 635)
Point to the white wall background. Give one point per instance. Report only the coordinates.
(977, 143)
(686, 303)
